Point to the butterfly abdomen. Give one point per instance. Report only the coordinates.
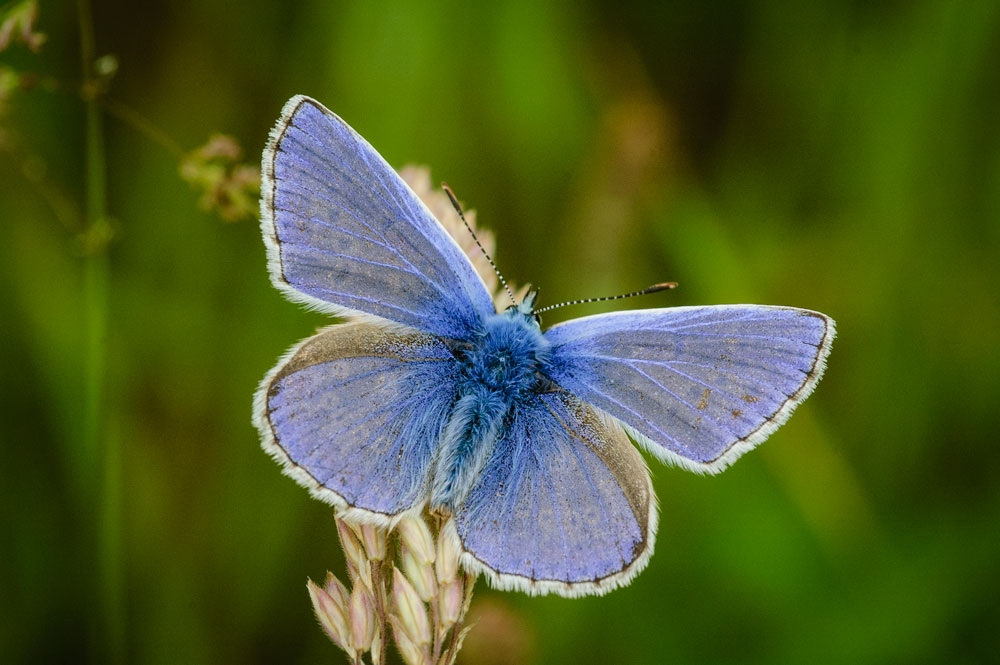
(502, 366)
(475, 423)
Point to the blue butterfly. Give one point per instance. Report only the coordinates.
(430, 398)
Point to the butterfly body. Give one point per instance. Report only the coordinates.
(428, 398)
(502, 366)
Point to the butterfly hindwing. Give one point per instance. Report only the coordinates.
(564, 504)
(355, 412)
(346, 235)
(698, 385)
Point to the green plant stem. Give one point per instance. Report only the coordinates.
(143, 125)
(104, 500)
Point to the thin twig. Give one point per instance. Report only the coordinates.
(140, 123)
(32, 168)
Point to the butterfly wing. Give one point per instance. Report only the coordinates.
(347, 236)
(354, 414)
(698, 386)
(564, 504)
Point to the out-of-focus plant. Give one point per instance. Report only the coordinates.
(227, 185)
(17, 24)
(9, 81)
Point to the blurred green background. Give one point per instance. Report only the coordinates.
(839, 156)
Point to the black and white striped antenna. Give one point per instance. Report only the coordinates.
(662, 286)
(458, 209)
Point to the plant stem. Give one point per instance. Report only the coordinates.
(63, 208)
(436, 623)
(141, 124)
(105, 497)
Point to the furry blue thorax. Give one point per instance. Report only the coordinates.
(507, 355)
(504, 364)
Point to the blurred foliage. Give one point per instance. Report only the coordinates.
(17, 24)
(227, 186)
(841, 156)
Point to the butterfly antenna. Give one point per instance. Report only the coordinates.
(458, 209)
(663, 286)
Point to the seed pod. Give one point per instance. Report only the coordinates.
(447, 557)
(417, 537)
(410, 609)
(421, 575)
(374, 539)
(336, 589)
(351, 543)
(450, 603)
(331, 616)
(411, 653)
(362, 618)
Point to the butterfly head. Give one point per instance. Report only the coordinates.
(526, 309)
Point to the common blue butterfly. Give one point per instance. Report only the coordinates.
(429, 397)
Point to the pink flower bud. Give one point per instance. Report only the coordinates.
(417, 537)
(374, 539)
(349, 540)
(332, 617)
(450, 603)
(411, 610)
(360, 573)
(447, 555)
(378, 644)
(362, 618)
(421, 575)
(411, 653)
(336, 589)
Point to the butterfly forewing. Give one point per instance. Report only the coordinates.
(346, 235)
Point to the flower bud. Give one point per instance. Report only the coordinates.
(411, 610)
(411, 653)
(450, 603)
(374, 539)
(421, 575)
(360, 572)
(417, 537)
(349, 540)
(332, 616)
(336, 589)
(447, 556)
(362, 618)
(378, 644)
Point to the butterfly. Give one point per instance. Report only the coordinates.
(430, 398)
